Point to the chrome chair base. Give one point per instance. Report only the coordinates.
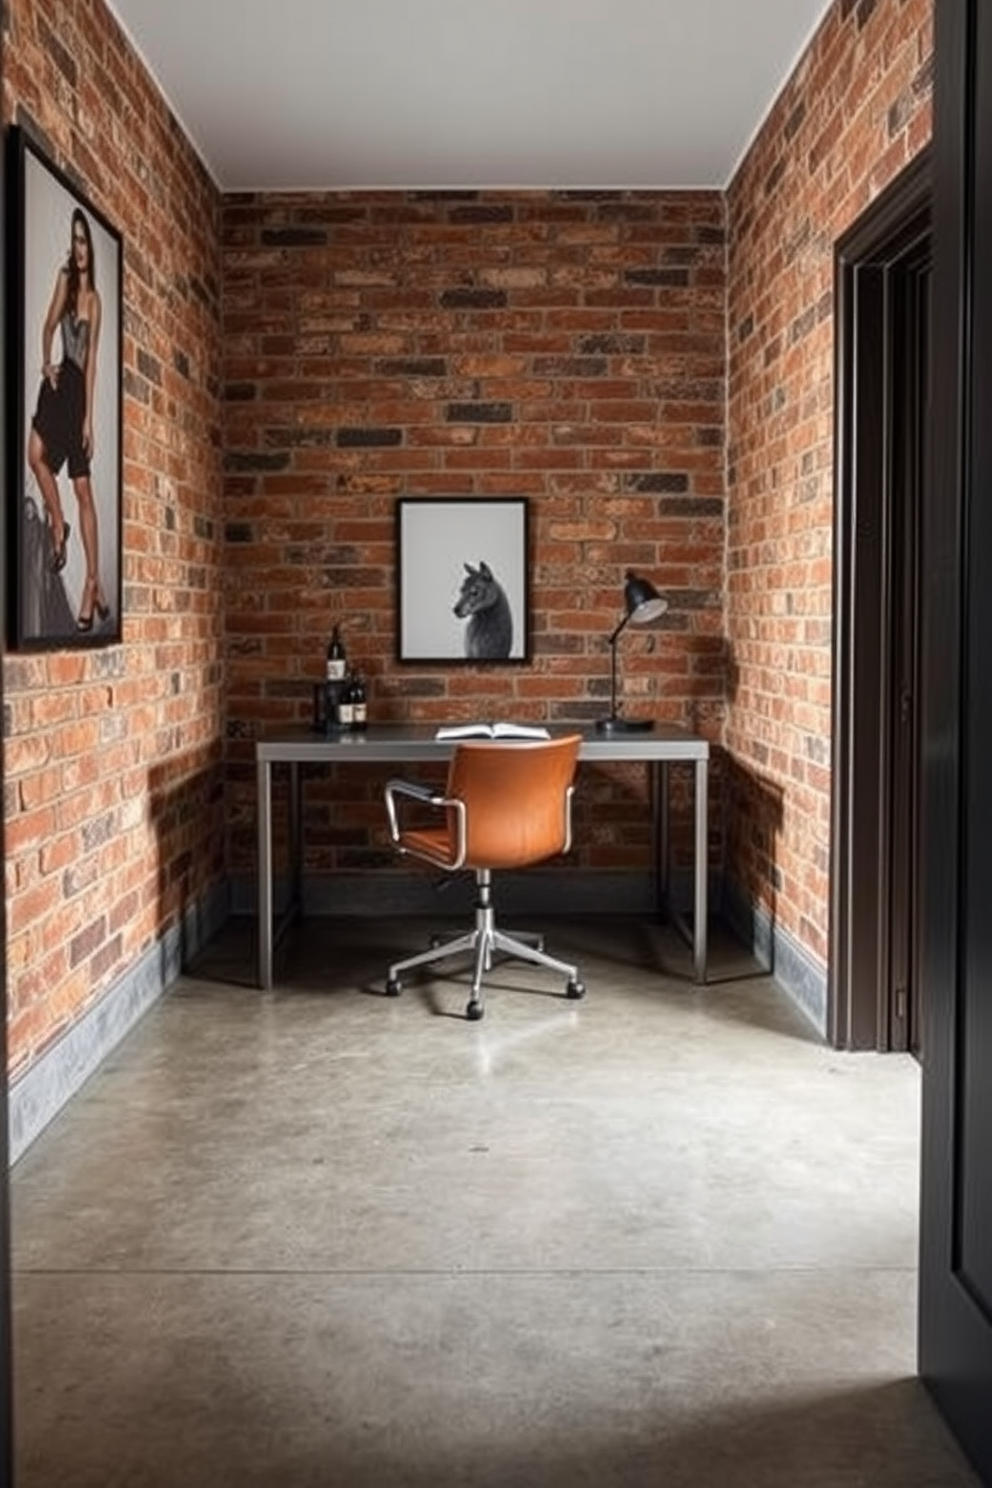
(484, 941)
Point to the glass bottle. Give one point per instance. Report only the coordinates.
(345, 706)
(337, 662)
(359, 703)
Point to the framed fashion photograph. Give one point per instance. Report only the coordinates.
(463, 580)
(64, 324)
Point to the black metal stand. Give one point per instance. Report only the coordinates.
(624, 725)
(614, 724)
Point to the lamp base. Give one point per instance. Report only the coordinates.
(624, 725)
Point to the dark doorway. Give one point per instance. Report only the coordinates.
(6, 1368)
(883, 283)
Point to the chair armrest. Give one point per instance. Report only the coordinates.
(398, 791)
(426, 793)
(567, 844)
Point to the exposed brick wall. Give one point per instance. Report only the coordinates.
(856, 110)
(565, 347)
(112, 758)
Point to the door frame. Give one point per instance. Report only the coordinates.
(6, 1348)
(859, 1014)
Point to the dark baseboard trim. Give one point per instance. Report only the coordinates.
(533, 891)
(792, 966)
(38, 1095)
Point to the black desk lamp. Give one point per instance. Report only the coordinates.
(642, 604)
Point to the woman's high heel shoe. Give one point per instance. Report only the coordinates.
(98, 609)
(59, 556)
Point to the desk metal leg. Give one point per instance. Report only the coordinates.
(295, 841)
(702, 873)
(663, 862)
(264, 774)
(269, 933)
(660, 853)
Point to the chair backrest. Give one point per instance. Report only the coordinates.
(517, 799)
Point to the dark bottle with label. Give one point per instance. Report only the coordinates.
(345, 706)
(359, 703)
(337, 661)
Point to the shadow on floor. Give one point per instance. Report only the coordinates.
(324, 954)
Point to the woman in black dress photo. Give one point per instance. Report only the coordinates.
(62, 426)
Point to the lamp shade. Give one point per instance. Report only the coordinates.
(641, 600)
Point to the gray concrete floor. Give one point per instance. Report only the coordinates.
(318, 1238)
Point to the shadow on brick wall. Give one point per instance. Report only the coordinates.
(186, 809)
(753, 812)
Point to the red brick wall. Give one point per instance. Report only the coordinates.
(113, 789)
(854, 113)
(585, 333)
(565, 347)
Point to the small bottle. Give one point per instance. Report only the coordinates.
(337, 662)
(345, 707)
(359, 703)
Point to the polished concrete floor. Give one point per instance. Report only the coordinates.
(319, 1238)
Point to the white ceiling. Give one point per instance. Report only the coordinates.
(408, 94)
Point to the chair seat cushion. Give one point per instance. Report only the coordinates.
(434, 843)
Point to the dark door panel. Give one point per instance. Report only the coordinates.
(910, 283)
(955, 942)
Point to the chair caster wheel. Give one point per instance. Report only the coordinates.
(393, 987)
(575, 990)
(474, 1011)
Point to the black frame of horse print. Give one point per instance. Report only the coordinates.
(45, 596)
(463, 577)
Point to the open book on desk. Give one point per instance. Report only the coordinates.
(492, 731)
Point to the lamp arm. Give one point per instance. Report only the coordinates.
(612, 643)
(614, 636)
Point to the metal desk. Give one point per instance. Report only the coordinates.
(403, 744)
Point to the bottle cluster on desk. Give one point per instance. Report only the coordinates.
(345, 697)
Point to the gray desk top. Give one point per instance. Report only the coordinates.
(386, 743)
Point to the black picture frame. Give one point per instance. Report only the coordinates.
(463, 578)
(49, 596)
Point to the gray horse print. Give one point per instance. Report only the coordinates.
(483, 603)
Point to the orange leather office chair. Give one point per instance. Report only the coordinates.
(505, 805)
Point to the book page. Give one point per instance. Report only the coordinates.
(465, 731)
(519, 731)
(499, 730)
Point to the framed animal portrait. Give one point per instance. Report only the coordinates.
(64, 316)
(463, 580)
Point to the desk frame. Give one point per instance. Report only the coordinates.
(409, 744)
